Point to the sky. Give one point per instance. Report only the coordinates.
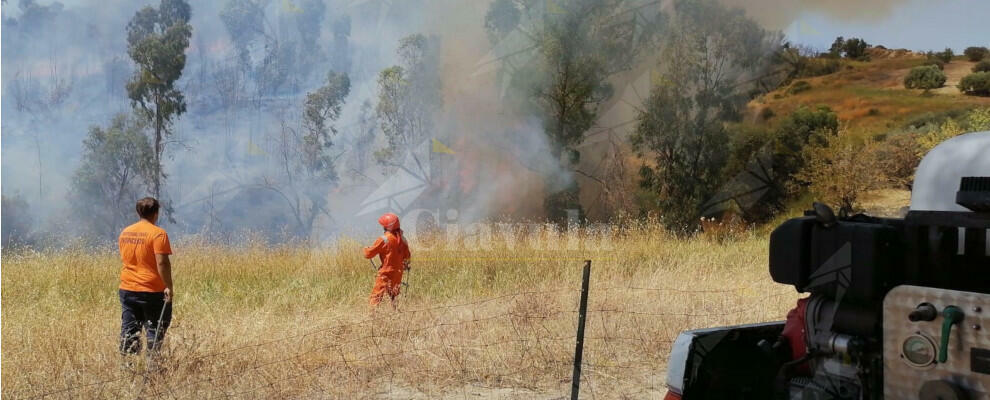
(914, 24)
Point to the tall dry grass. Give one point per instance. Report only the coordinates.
(255, 321)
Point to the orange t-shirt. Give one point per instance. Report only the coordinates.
(138, 245)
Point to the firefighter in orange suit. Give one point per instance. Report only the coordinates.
(393, 253)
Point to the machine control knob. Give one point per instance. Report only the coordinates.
(924, 312)
(952, 315)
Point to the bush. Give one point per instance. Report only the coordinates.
(853, 48)
(934, 61)
(837, 172)
(977, 83)
(766, 113)
(804, 127)
(896, 156)
(924, 77)
(976, 53)
(798, 87)
(982, 66)
(945, 55)
(819, 66)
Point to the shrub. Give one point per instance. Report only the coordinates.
(932, 120)
(934, 61)
(803, 128)
(977, 83)
(976, 53)
(798, 87)
(766, 113)
(837, 172)
(819, 66)
(947, 130)
(853, 48)
(897, 158)
(982, 66)
(924, 77)
(945, 55)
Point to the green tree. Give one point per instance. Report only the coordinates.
(977, 84)
(945, 55)
(568, 83)
(974, 53)
(835, 50)
(409, 96)
(855, 48)
(982, 66)
(925, 77)
(117, 168)
(307, 172)
(157, 40)
(682, 129)
(838, 172)
(322, 108)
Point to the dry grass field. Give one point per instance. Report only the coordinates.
(257, 321)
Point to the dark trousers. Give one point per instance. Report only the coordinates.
(142, 310)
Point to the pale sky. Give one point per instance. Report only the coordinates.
(914, 24)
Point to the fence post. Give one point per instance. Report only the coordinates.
(579, 346)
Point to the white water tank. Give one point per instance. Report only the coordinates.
(937, 179)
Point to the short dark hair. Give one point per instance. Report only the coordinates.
(147, 207)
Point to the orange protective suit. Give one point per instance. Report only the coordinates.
(393, 253)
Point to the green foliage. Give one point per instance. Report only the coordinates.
(838, 172)
(408, 96)
(805, 126)
(321, 109)
(924, 77)
(819, 66)
(933, 119)
(982, 66)
(896, 157)
(977, 84)
(766, 113)
(934, 61)
(157, 40)
(947, 130)
(799, 87)
(682, 127)
(950, 127)
(974, 53)
(117, 168)
(945, 55)
(852, 48)
(575, 56)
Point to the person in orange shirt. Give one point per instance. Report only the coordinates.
(393, 252)
(145, 281)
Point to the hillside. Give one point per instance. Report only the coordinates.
(870, 101)
(869, 97)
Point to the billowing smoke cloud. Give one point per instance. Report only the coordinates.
(778, 14)
(65, 66)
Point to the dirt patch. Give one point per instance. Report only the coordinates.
(886, 202)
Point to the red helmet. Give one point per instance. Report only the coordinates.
(389, 221)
